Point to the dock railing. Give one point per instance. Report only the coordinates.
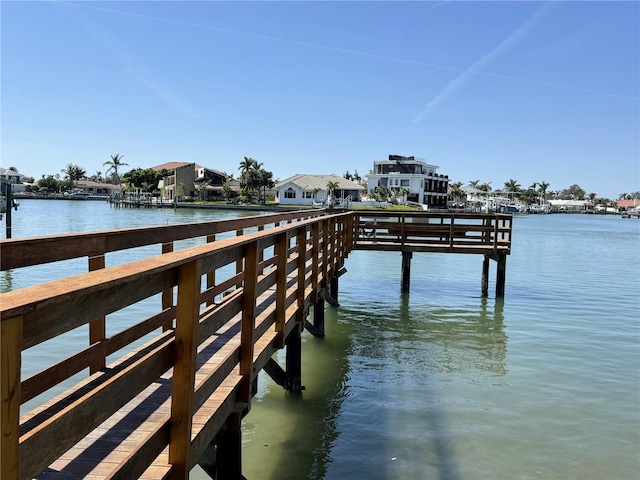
(450, 232)
(189, 330)
(237, 299)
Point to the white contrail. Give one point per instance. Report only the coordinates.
(473, 70)
(134, 67)
(516, 36)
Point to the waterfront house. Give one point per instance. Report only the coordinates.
(181, 183)
(627, 205)
(303, 189)
(97, 189)
(570, 206)
(425, 185)
(16, 179)
(190, 180)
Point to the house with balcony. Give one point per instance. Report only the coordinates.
(190, 180)
(422, 180)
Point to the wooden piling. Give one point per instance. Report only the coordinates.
(333, 288)
(485, 276)
(318, 315)
(293, 381)
(501, 274)
(406, 271)
(229, 448)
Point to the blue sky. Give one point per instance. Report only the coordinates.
(489, 91)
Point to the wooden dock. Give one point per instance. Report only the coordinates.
(169, 391)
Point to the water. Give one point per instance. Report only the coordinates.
(442, 383)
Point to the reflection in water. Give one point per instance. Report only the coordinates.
(6, 281)
(380, 371)
(439, 339)
(285, 433)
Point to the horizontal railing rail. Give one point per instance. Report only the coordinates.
(24, 252)
(236, 300)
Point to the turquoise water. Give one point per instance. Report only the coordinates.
(441, 383)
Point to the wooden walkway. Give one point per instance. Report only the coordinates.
(168, 391)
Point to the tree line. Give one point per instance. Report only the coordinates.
(538, 192)
(254, 179)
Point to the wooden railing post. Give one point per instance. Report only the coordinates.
(182, 388)
(326, 253)
(167, 295)
(301, 239)
(10, 395)
(211, 276)
(248, 320)
(281, 251)
(315, 257)
(97, 328)
(239, 263)
(261, 251)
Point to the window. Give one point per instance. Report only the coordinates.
(289, 193)
(404, 182)
(307, 195)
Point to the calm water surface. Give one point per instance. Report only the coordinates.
(441, 383)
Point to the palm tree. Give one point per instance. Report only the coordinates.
(73, 173)
(356, 177)
(331, 187)
(114, 165)
(247, 164)
(202, 189)
(265, 181)
(512, 185)
(485, 187)
(542, 188)
(249, 175)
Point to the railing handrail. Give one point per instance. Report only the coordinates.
(433, 231)
(25, 252)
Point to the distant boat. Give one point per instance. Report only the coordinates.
(77, 194)
(515, 208)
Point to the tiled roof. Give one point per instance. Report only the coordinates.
(309, 182)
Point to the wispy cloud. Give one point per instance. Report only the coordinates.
(465, 74)
(133, 66)
(511, 41)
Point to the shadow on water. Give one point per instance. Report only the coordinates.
(376, 401)
(291, 435)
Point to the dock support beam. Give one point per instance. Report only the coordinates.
(333, 288)
(406, 271)
(501, 274)
(318, 315)
(485, 276)
(293, 379)
(229, 448)
(317, 327)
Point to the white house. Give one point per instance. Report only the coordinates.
(312, 190)
(15, 178)
(425, 185)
